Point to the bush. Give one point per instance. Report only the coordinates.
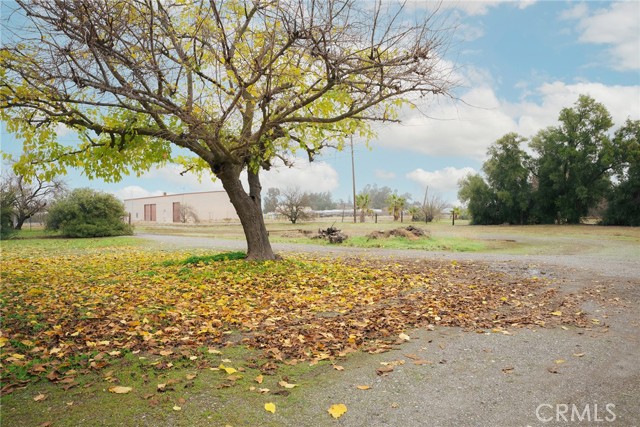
(6, 214)
(88, 213)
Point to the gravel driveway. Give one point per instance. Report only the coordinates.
(530, 377)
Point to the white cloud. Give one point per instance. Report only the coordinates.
(470, 7)
(383, 174)
(467, 128)
(617, 27)
(312, 177)
(441, 181)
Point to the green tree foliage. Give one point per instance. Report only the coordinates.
(624, 199)
(481, 200)
(574, 164)
(395, 205)
(363, 201)
(508, 174)
(88, 213)
(226, 86)
(570, 174)
(7, 212)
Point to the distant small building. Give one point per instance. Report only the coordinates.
(208, 206)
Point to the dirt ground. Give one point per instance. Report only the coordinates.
(526, 377)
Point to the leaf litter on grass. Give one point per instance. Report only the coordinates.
(98, 305)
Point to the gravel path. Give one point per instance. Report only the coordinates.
(532, 377)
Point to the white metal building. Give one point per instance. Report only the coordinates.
(209, 206)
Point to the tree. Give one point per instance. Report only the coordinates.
(396, 205)
(7, 212)
(320, 201)
(88, 213)
(363, 200)
(624, 199)
(31, 198)
(187, 213)
(575, 161)
(293, 205)
(221, 86)
(271, 200)
(480, 199)
(431, 207)
(508, 173)
(378, 195)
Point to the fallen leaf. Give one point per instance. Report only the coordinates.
(338, 367)
(556, 313)
(553, 370)
(40, 397)
(384, 370)
(177, 408)
(363, 387)
(422, 362)
(120, 390)
(404, 337)
(507, 369)
(191, 376)
(214, 351)
(578, 354)
(559, 361)
(337, 410)
(286, 384)
(270, 407)
(259, 379)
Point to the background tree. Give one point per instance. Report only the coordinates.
(363, 200)
(481, 200)
(624, 199)
(293, 205)
(224, 86)
(431, 207)
(320, 201)
(7, 212)
(31, 198)
(187, 213)
(575, 161)
(271, 200)
(508, 174)
(395, 205)
(88, 213)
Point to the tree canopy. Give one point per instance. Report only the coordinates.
(228, 86)
(569, 173)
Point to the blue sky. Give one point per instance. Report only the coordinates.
(518, 64)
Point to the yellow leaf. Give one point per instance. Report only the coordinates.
(120, 390)
(338, 410)
(40, 397)
(3, 341)
(363, 387)
(259, 379)
(559, 361)
(404, 337)
(17, 356)
(213, 351)
(177, 408)
(270, 407)
(230, 370)
(286, 384)
(556, 313)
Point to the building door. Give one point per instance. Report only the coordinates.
(150, 212)
(176, 212)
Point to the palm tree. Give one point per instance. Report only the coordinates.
(363, 200)
(395, 205)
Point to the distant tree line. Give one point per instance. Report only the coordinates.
(574, 167)
(296, 205)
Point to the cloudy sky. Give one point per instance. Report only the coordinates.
(517, 64)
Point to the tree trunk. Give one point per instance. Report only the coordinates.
(19, 222)
(249, 210)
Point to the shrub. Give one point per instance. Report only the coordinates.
(88, 213)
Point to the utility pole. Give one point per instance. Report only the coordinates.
(353, 179)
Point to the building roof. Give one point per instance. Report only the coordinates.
(177, 194)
